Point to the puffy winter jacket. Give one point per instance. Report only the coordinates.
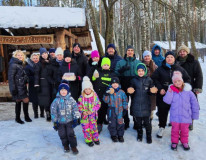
(64, 109)
(114, 59)
(75, 86)
(118, 101)
(157, 59)
(17, 79)
(194, 70)
(184, 106)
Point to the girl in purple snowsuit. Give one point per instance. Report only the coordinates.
(184, 108)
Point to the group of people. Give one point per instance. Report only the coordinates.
(72, 89)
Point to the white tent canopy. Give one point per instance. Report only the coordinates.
(165, 45)
(41, 17)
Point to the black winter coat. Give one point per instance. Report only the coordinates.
(33, 96)
(140, 104)
(90, 66)
(82, 61)
(41, 79)
(114, 59)
(17, 79)
(75, 86)
(194, 70)
(102, 83)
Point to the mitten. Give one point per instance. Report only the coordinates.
(123, 69)
(56, 125)
(124, 112)
(75, 123)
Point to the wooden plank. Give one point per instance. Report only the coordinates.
(69, 33)
(2, 54)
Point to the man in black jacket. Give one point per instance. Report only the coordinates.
(193, 68)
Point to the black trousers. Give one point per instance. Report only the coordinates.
(66, 134)
(147, 123)
(102, 112)
(163, 110)
(114, 127)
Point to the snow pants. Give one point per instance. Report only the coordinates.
(147, 123)
(66, 134)
(90, 131)
(179, 131)
(114, 127)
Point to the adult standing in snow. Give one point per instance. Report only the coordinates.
(193, 68)
(69, 65)
(80, 58)
(111, 53)
(162, 78)
(30, 71)
(52, 53)
(125, 70)
(17, 85)
(151, 67)
(53, 71)
(157, 55)
(42, 84)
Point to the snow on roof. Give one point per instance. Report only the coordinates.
(165, 45)
(41, 17)
(94, 44)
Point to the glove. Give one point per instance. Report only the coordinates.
(123, 69)
(56, 125)
(94, 63)
(14, 92)
(124, 112)
(75, 123)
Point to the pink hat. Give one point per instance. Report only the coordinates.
(95, 53)
(177, 75)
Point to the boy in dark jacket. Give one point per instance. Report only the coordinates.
(101, 81)
(141, 87)
(64, 114)
(118, 105)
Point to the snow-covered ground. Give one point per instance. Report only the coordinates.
(38, 141)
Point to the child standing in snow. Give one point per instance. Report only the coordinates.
(141, 87)
(89, 104)
(118, 106)
(64, 114)
(184, 108)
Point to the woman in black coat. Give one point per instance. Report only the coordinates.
(42, 84)
(33, 96)
(162, 78)
(69, 65)
(18, 85)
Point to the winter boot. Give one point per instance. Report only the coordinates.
(160, 132)
(66, 148)
(106, 122)
(97, 142)
(90, 144)
(99, 127)
(114, 138)
(121, 139)
(35, 108)
(149, 134)
(48, 116)
(26, 112)
(18, 113)
(42, 111)
(75, 150)
(186, 146)
(174, 146)
(140, 135)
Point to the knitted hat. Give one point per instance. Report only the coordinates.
(169, 53)
(129, 47)
(59, 51)
(146, 53)
(86, 84)
(64, 85)
(95, 53)
(183, 47)
(106, 60)
(77, 44)
(115, 80)
(111, 46)
(67, 53)
(177, 75)
(42, 50)
(141, 66)
(52, 50)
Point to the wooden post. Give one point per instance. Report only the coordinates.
(70, 44)
(60, 39)
(2, 54)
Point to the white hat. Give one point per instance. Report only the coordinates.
(86, 84)
(59, 51)
(146, 53)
